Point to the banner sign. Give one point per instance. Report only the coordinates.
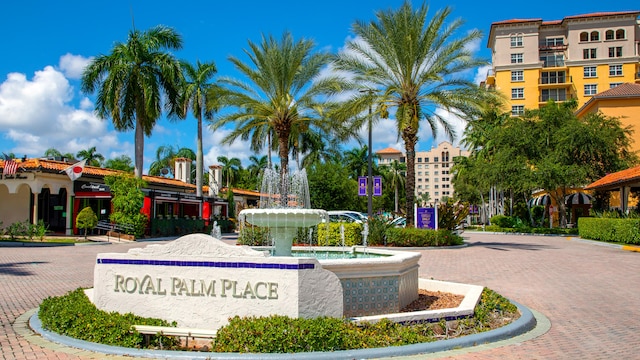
(362, 186)
(426, 218)
(377, 186)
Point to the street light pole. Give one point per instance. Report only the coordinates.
(369, 163)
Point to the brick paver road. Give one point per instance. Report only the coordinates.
(590, 293)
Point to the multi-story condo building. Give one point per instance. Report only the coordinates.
(534, 61)
(432, 168)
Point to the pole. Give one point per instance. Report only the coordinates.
(370, 175)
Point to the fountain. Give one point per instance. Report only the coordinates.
(199, 281)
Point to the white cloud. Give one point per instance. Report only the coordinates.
(481, 74)
(73, 65)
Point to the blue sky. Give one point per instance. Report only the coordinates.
(45, 45)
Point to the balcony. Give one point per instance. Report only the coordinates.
(551, 82)
(552, 47)
(553, 63)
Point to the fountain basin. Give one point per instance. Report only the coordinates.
(286, 217)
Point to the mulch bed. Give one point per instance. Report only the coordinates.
(433, 300)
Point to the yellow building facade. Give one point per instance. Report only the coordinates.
(534, 61)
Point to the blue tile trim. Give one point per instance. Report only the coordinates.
(213, 264)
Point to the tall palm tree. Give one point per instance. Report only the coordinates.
(414, 65)
(195, 90)
(357, 161)
(134, 81)
(93, 158)
(398, 172)
(280, 95)
(230, 167)
(258, 164)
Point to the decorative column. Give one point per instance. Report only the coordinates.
(34, 215)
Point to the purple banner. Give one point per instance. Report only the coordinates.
(377, 186)
(362, 186)
(426, 218)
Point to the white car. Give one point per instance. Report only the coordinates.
(346, 216)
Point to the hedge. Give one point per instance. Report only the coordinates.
(626, 231)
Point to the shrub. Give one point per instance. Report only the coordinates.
(412, 237)
(254, 236)
(503, 221)
(352, 234)
(75, 316)
(625, 231)
(378, 231)
(451, 214)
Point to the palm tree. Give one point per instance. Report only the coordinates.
(230, 167)
(196, 88)
(93, 158)
(280, 95)
(357, 161)
(398, 172)
(134, 81)
(55, 153)
(165, 160)
(414, 66)
(258, 164)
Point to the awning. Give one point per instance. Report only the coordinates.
(540, 200)
(578, 199)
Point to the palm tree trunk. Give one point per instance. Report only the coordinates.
(284, 168)
(139, 148)
(396, 198)
(199, 162)
(410, 145)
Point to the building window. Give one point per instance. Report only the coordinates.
(588, 53)
(517, 110)
(615, 70)
(595, 36)
(590, 89)
(517, 75)
(608, 35)
(620, 35)
(419, 159)
(550, 42)
(553, 94)
(590, 72)
(553, 77)
(426, 160)
(615, 51)
(419, 166)
(612, 85)
(516, 40)
(435, 186)
(584, 36)
(435, 166)
(517, 58)
(517, 93)
(419, 173)
(435, 173)
(435, 159)
(426, 167)
(552, 60)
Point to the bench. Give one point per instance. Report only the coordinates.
(148, 330)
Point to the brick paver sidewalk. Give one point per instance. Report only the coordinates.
(590, 293)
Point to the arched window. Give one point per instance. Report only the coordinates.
(620, 34)
(595, 36)
(584, 36)
(608, 35)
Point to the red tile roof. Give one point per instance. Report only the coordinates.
(620, 177)
(623, 91)
(53, 166)
(389, 151)
(555, 22)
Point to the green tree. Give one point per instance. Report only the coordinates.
(93, 157)
(280, 95)
(196, 87)
(397, 173)
(230, 168)
(330, 187)
(134, 81)
(127, 202)
(86, 220)
(415, 66)
(54, 153)
(121, 162)
(357, 160)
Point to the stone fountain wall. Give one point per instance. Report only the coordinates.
(200, 282)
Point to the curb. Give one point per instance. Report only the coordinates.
(523, 325)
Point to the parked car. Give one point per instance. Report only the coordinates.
(346, 216)
(399, 222)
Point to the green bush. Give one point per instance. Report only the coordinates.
(254, 236)
(75, 316)
(618, 230)
(503, 221)
(412, 237)
(378, 231)
(352, 234)
(86, 220)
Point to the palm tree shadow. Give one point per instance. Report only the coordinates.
(18, 269)
(501, 246)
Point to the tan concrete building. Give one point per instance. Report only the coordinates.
(432, 168)
(534, 61)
